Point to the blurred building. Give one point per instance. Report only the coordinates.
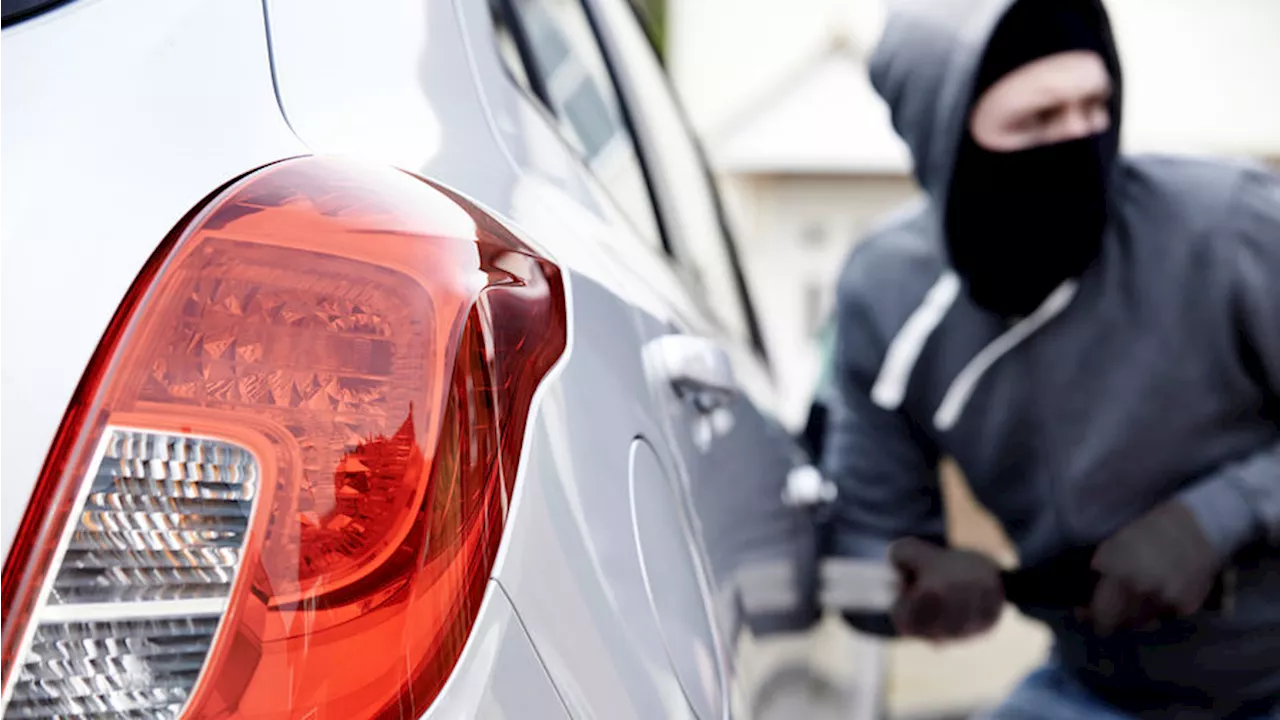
(803, 146)
(808, 161)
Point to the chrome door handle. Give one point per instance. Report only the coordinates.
(696, 367)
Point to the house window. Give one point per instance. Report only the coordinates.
(813, 236)
(814, 307)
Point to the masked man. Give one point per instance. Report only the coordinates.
(1095, 339)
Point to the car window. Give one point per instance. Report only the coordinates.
(550, 49)
(15, 11)
(685, 190)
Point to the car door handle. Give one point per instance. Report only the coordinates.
(697, 368)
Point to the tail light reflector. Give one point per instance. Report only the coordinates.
(282, 483)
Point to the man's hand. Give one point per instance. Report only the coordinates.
(946, 594)
(1160, 565)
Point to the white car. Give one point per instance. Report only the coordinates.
(383, 359)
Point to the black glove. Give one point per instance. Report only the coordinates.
(946, 594)
(1160, 565)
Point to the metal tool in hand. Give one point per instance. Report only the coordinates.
(865, 586)
(1064, 583)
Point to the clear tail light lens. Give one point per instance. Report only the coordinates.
(281, 486)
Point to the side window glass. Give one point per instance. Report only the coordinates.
(687, 195)
(509, 46)
(551, 50)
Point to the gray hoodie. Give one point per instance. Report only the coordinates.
(1154, 375)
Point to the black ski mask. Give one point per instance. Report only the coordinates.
(1020, 223)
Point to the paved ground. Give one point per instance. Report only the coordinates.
(926, 681)
(829, 674)
(834, 674)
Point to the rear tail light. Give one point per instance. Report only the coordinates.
(281, 486)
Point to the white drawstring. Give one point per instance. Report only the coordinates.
(957, 396)
(891, 383)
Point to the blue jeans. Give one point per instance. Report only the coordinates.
(1050, 693)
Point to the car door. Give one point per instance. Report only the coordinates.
(710, 372)
(718, 455)
(552, 52)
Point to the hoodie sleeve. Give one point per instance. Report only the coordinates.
(1241, 501)
(883, 465)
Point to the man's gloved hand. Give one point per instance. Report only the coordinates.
(946, 594)
(1160, 565)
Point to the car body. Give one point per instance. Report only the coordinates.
(645, 492)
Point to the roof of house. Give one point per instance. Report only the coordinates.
(823, 118)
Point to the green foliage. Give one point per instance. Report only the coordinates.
(653, 16)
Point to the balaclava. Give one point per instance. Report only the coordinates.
(1020, 223)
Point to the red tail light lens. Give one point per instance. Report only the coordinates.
(282, 484)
